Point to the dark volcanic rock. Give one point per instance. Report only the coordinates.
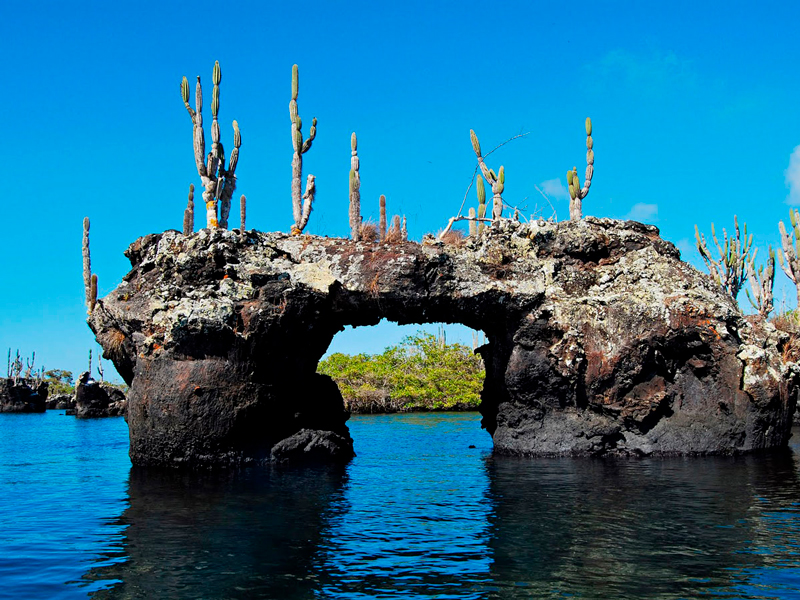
(600, 341)
(23, 396)
(96, 399)
(61, 401)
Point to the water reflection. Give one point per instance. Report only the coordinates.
(648, 528)
(423, 513)
(252, 534)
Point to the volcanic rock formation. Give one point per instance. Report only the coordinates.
(23, 395)
(601, 341)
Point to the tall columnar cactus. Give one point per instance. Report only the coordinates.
(242, 213)
(762, 281)
(729, 269)
(188, 213)
(789, 256)
(382, 219)
(301, 202)
(404, 230)
(87, 264)
(576, 193)
(219, 182)
(355, 190)
(481, 204)
(496, 180)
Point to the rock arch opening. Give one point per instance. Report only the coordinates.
(390, 368)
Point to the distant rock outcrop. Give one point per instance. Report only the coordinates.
(61, 402)
(22, 395)
(96, 399)
(601, 341)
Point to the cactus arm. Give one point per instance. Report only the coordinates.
(473, 224)
(308, 199)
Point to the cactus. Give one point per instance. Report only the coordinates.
(218, 182)
(576, 193)
(188, 213)
(789, 256)
(382, 219)
(87, 263)
(473, 224)
(242, 213)
(100, 366)
(404, 230)
(355, 189)
(90, 362)
(301, 202)
(761, 282)
(29, 365)
(93, 293)
(481, 204)
(496, 180)
(729, 270)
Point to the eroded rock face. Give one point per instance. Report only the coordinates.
(600, 341)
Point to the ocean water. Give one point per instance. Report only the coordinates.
(419, 513)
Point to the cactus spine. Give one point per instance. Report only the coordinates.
(729, 269)
(761, 282)
(382, 219)
(188, 213)
(355, 187)
(789, 256)
(301, 202)
(496, 180)
(218, 182)
(576, 193)
(87, 265)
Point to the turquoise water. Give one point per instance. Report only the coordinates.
(418, 514)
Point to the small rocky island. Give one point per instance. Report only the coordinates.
(600, 341)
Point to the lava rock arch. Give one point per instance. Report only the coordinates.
(601, 341)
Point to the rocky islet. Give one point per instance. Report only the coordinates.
(601, 341)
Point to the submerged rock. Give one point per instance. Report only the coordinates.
(601, 341)
(23, 395)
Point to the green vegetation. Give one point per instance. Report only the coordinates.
(422, 373)
(60, 382)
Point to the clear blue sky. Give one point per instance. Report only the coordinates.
(694, 104)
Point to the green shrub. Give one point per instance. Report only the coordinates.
(421, 373)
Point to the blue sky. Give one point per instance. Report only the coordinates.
(694, 105)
